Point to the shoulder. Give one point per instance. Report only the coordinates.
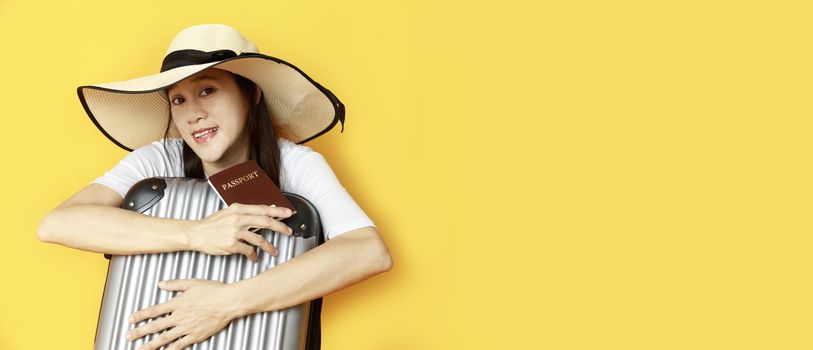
(160, 148)
(301, 166)
(296, 158)
(289, 149)
(158, 157)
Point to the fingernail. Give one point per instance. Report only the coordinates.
(129, 336)
(132, 318)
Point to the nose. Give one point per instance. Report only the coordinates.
(197, 112)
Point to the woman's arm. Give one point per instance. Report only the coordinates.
(92, 220)
(338, 263)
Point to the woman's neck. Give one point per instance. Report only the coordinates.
(226, 162)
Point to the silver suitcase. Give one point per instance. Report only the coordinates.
(132, 281)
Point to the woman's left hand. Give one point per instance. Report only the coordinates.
(204, 308)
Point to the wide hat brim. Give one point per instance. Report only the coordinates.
(135, 112)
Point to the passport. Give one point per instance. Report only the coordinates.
(247, 183)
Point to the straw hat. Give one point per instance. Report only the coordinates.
(135, 112)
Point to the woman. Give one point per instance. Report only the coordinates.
(217, 102)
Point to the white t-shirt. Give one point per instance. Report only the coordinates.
(303, 171)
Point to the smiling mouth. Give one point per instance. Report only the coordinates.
(204, 135)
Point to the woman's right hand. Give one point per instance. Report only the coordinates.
(227, 231)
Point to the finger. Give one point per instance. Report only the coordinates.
(265, 222)
(151, 327)
(259, 209)
(162, 339)
(246, 250)
(182, 343)
(177, 285)
(151, 312)
(258, 240)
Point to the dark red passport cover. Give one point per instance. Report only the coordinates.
(247, 183)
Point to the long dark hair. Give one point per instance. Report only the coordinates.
(263, 146)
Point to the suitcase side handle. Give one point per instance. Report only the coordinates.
(306, 222)
(144, 194)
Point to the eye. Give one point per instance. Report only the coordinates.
(208, 89)
(176, 99)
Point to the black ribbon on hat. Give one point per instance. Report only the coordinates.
(190, 57)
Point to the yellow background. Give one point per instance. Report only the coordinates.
(547, 175)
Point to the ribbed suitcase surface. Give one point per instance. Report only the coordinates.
(132, 281)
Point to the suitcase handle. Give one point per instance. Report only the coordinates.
(145, 193)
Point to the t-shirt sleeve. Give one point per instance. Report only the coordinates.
(312, 178)
(141, 163)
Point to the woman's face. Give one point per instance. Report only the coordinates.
(211, 114)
